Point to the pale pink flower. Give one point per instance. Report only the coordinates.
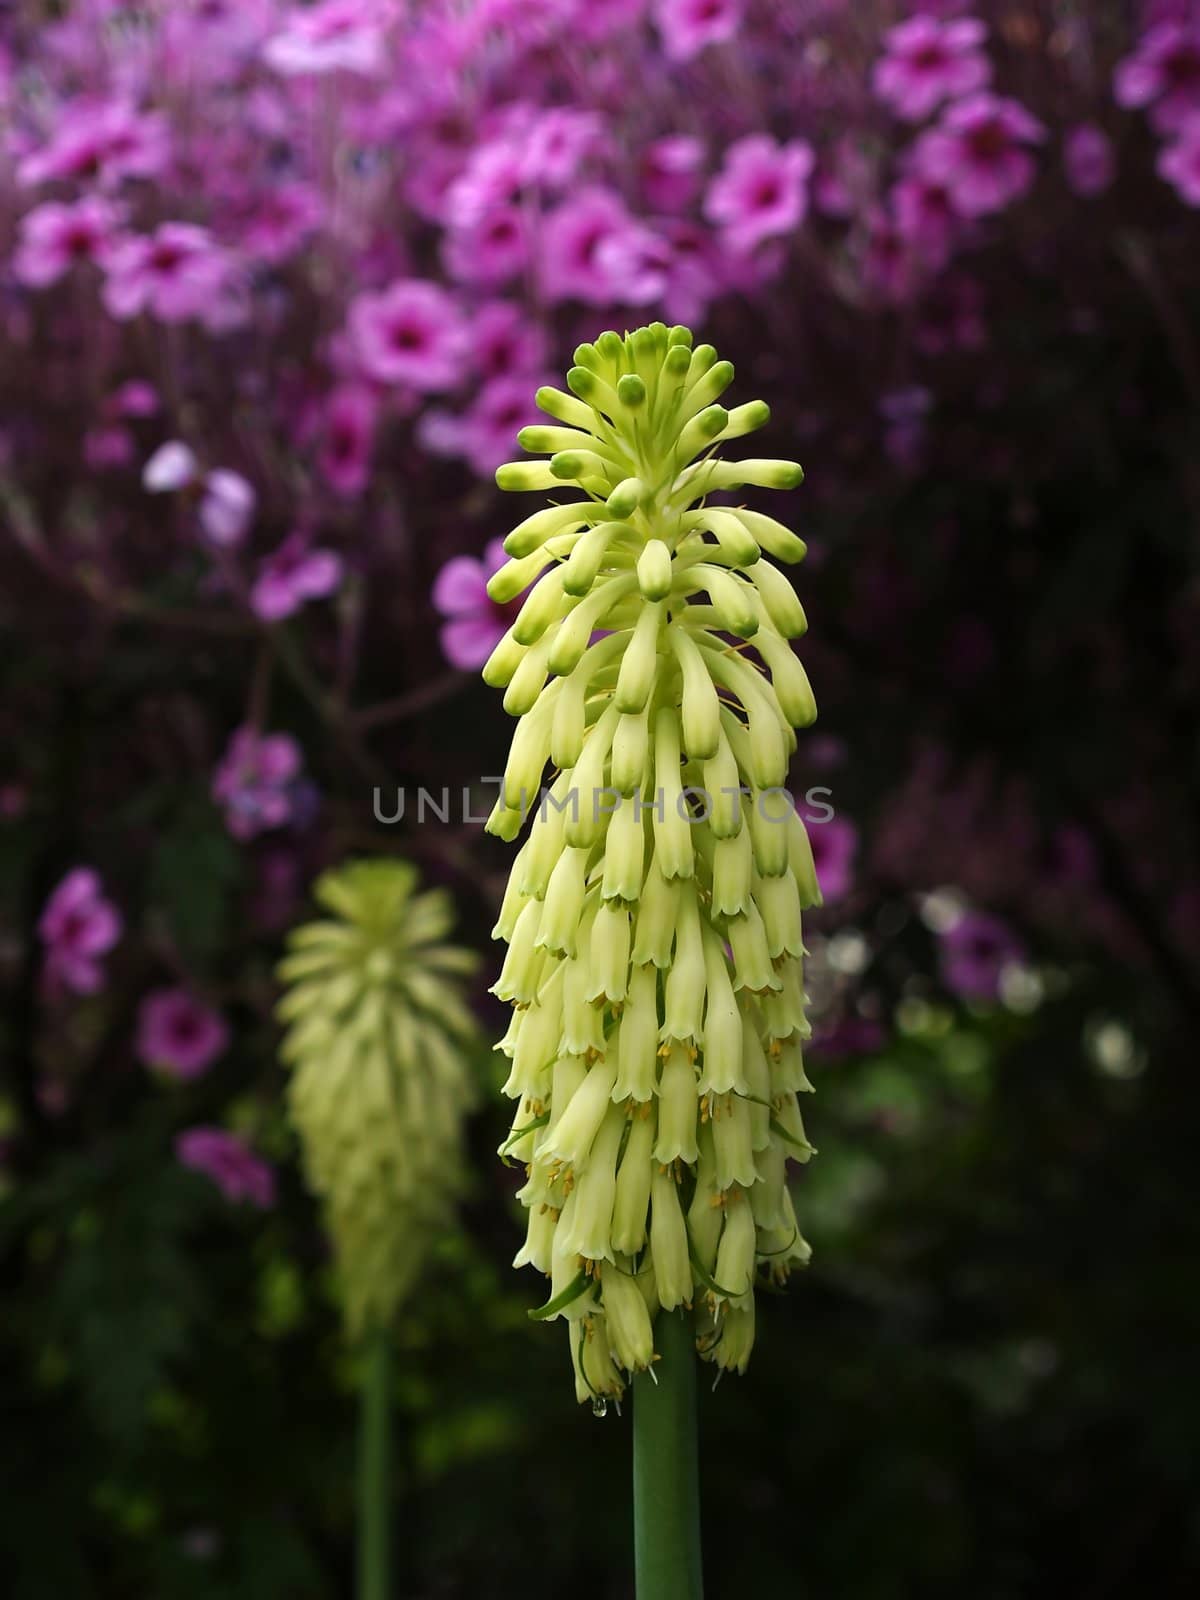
(689, 26)
(411, 333)
(177, 274)
(227, 507)
(332, 36)
(293, 575)
(256, 782)
(475, 622)
(105, 142)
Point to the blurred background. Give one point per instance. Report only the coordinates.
(277, 283)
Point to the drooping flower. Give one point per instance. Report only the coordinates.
(974, 952)
(256, 782)
(331, 36)
(178, 1034)
(1179, 162)
(928, 62)
(376, 1038)
(409, 334)
(475, 623)
(689, 26)
(177, 274)
(291, 576)
(1164, 74)
(979, 152)
(761, 191)
(653, 913)
(1088, 159)
(227, 507)
(238, 1173)
(103, 142)
(55, 238)
(172, 466)
(78, 926)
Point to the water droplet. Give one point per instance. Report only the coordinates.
(599, 1406)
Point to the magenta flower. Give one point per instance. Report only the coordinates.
(476, 622)
(227, 507)
(834, 846)
(669, 172)
(505, 342)
(556, 144)
(410, 334)
(486, 432)
(1088, 159)
(177, 274)
(230, 1163)
(178, 1034)
(689, 26)
(490, 250)
(636, 261)
(928, 62)
(105, 142)
(1179, 162)
(974, 953)
(279, 221)
(761, 191)
(347, 435)
(978, 151)
(294, 574)
(1164, 74)
(256, 782)
(925, 216)
(332, 36)
(55, 238)
(78, 926)
(570, 257)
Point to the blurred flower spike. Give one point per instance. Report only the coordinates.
(377, 1033)
(653, 914)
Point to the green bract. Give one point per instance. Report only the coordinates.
(376, 1031)
(653, 915)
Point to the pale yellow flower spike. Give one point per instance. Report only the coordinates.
(653, 916)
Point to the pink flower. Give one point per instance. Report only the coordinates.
(256, 781)
(179, 1035)
(570, 258)
(332, 36)
(669, 171)
(556, 144)
(689, 26)
(230, 1163)
(490, 250)
(279, 221)
(107, 142)
(411, 333)
(928, 62)
(172, 466)
(227, 507)
(761, 191)
(476, 623)
(505, 342)
(636, 261)
(834, 846)
(925, 216)
(177, 274)
(486, 433)
(78, 926)
(55, 238)
(978, 152)
(294, 574)
(1088, 159)
(1163, 73)
(975, 950)
(108, 447)
(347, 435)
(1179, 162)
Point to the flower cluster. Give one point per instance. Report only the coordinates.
(655, 958)
(376, 1032)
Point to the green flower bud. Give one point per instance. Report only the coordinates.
(376, 1034)
(654, 915)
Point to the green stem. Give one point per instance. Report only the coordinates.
(374, 1469)
(666, 1478)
